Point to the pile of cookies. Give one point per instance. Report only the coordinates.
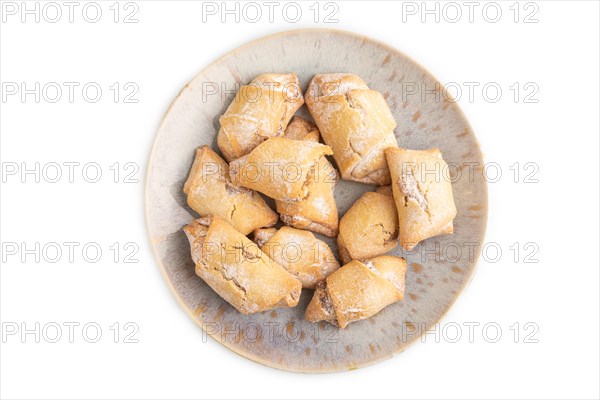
(269, 150)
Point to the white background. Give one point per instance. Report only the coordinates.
(164, 50)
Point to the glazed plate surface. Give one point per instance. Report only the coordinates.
(438, 268)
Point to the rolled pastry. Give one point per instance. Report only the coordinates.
(302, 129)
(259, 111)
(358, 290)
(423, 196)
(280, 168)
(318, 211)
(356, 122)
(369, 228)
(235, 268)
(210, 192)
(299, 252)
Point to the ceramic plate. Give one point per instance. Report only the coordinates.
(439, 268)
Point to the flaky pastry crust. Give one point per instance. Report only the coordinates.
(260, 110)
(235, 268)
(299, 252)
(358, 290)
(318, 211)
(279, 167)
(356, 122)
(369, 228)
(422, 193)
(210, 192)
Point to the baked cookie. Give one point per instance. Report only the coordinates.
(369, 228)
(358, 290)
(299, 252)
(259, 111)
(318, 211)
(356, 122)
(302, 129)
(280, 168)
(422, 193)
(235, 268)
(210, 192)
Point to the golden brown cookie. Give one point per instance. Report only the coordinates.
(369, 228)
(280, 168)
(235, 268)
(318, 211)
(210, 192)
(259, 111)
(356, 122)
(299, 252)
(423, 194)
(358, 290)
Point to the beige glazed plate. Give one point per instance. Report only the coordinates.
(439, 268)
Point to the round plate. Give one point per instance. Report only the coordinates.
(439, 268)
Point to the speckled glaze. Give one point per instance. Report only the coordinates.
(282, 338)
